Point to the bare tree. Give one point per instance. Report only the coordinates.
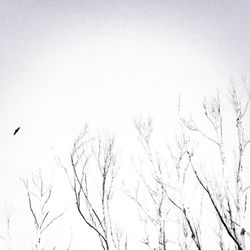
(92, 175)
(39, 198)
(164, 182)
(150, 195)
(6, 237)
(228, 196)
(189, 228)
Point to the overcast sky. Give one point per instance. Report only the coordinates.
(64, 63)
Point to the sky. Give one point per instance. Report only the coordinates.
(70, 62)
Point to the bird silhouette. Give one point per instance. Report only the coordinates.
(16, 130)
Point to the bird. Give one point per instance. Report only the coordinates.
(16, 130)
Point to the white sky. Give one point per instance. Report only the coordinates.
(64, 63)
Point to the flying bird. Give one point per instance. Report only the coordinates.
(16, 130)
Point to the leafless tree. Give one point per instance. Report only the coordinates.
(92, 175)
(164, 182)
(6, 237)
(150, 195)
(39, 197)
(189, 228)
(228, 196)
